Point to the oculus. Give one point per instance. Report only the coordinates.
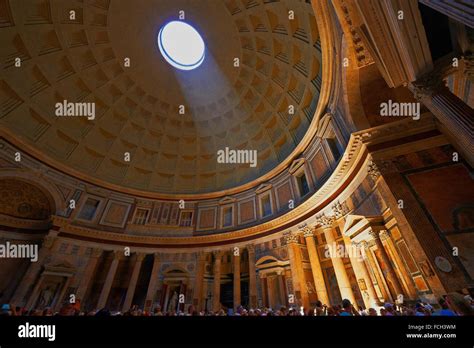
(181, 45)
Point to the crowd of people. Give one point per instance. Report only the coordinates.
(453, 304)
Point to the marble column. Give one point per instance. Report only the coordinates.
(109, 280)
(378, 276)
(87, 274)
(281, 281)
(34, 270)
(132, 284)
(343, 281)
(153, 284)
(252, 277)
(216, 296)
(199, 280)
(297, 273)
(272, 296)
(264, 289)
(391, 275)
(34, 293)
(236, 269)
(318, 277)
(455, 116)
(364, 282)
(59, 300)
(404, 277)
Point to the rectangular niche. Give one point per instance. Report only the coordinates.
(115, 214)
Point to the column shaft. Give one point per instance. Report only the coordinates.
(33, 271)
(391, 275)
(456, 116)
(59, 301)
(87, 275)
(104, 295)
(339, 269)
(252, 278)
(318, 277)
(378, 277)
(216, 303)
(404, 276)
(199, 281)
(237, 297)
(297, 273)
(133, 282)
(153, 284)
(368, 293)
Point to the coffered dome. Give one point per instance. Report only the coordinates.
(260, 63)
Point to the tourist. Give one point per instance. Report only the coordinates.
(347, 309)
(445, 310)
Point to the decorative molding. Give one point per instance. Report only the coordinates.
(362, 55)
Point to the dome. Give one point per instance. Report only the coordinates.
(158, 129)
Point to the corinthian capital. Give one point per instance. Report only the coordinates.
(427, 85)
(307, 232)
(374, 234)
(340, 209)
(384, 234)
(373, 170)
(250, 248)
(291, 238)
(325, 221)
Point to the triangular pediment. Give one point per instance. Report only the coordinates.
(263, 187)
(356, 223)
(296, 164)
(60, 267)
(227, 200)
(352, 221)
(323, 126)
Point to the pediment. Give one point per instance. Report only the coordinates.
(296, 164)
(227, 200)
(263, 187)
(356, 223)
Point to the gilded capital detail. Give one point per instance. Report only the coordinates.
(307, 232)
(291, 238)
(373, 170)
(250, 248)
(427, 85)
(340, 209)
(384, 234)
(374, 234)
(325, 221)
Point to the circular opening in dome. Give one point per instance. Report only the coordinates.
(181, 45)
